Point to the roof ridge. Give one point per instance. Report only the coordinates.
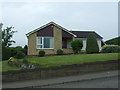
(48, 25)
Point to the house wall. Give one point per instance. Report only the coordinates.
(84, 43)
(57, 38)
(57, 34)
(69, 43)
(67, 50)
(47, 31)
(32, 44)
(66, 35)
(99, 44)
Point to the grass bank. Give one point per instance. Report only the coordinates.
(65, 60)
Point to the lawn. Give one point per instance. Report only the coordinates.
(7, 67)
(66, 60)
(73, 59)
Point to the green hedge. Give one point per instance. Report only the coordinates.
(92, 45)
(77, 45)
(20, 55)
(41, 53)
(110, 49)
(8, 52)
(59, 52)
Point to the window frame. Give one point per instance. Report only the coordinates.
(43, 43)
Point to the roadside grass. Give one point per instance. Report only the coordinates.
(50, 61)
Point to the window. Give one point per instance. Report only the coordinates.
(44, 42)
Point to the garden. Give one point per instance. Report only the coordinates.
(15, 58)
(49, 61)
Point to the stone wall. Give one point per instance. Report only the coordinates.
(68, 50)
(59, 71)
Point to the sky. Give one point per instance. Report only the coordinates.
(101, 17)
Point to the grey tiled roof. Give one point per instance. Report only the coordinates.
(85, 34)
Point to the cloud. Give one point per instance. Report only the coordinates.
(25, 17)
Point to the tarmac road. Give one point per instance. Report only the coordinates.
(109, 82)
(97, 78)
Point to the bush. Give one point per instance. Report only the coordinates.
(6, 53)
(25, 61)
(20, 55)
(41, 53)
(92, 46)
(12, 59)
(16, 49)
(59, 52)
(76, 45)
(110, 49)
(114, 41)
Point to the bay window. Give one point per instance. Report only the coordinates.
(44, 42)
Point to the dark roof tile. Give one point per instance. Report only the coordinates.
(85, 34)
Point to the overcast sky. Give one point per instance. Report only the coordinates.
(25, 17)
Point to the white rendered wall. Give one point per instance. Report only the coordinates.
(99, 44)
(84, 43)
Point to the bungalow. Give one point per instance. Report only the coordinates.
(51, 37)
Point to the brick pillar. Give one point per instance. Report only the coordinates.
(57, 38)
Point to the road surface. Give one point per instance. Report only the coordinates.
(97, 76)
(110, 82)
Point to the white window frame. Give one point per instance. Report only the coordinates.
(43, 43)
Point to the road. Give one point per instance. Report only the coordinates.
(97, 78)
(111, 82)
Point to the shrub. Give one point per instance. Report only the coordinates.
(16, 49)
(25, 61)
(110, 49)
(13, 51)
(11, 59)
(6, 53)
(59, 52)
(92, 46)
(76, 45)
(20, 55)
(114, 41)
(41, 53)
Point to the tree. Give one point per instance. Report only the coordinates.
(92, 46)
(76, 45)
(0, 41)
(7, 34)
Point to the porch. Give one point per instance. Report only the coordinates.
(66, 43)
